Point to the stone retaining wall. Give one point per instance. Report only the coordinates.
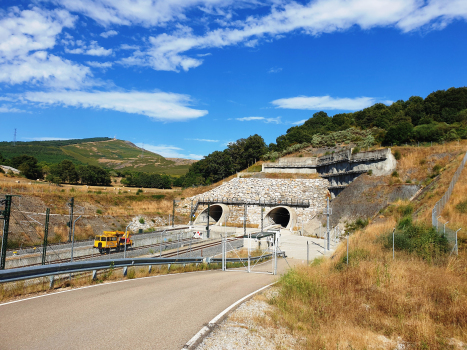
(253, 190)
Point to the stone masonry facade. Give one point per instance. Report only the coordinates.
(253, 190)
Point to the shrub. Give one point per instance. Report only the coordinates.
(131, 274)
(423, 162)
(158, 196)
(355, 256)
(370, 172)
(98, 211)
(462, 207)
(436, 169)
(405, 210)
(395, 174)
(355, 150)
(141, 221)
(419, 239)
(397, 154)
(139, 191)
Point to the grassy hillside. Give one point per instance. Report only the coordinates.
(102, 151)
(43, 151)
(416, 301)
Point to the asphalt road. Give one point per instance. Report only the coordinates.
(152, 313)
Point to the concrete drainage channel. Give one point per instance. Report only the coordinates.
(204, 332)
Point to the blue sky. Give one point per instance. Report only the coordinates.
(184, 78)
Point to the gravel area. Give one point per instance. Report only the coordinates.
(250, 327)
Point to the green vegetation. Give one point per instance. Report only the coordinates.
(100, 151)
(219, 165)
(138, 179)
(462, 207)
(441, 116)
(419, 239)
(397, 154)
(44, 151)
(141, 221)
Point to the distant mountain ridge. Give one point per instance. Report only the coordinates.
(102, 151)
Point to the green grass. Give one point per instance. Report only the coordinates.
(123, 155)
(100, 151)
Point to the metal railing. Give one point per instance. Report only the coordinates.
(267, 203)
(439, 206)
(24, 273)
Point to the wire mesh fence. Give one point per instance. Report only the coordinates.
(439, 206)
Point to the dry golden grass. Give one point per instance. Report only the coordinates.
(376, 302)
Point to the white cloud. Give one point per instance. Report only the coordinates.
(276, 120)
(103, 65)
(325, 102)
(274, 70)
(9, 109)
(167, 51)
(168, 151)
(300, 122)
(30, 30)
(93, 49)
(129, 47)
(24, 37)
(157, 105)
(109, 33)
(147, 13)
(202, 140)
(47, 69)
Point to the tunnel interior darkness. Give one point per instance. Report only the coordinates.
(280, 216)
(215, 212)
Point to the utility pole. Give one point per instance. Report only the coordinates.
(173, 213)
(191, 213)
(46, 234)
(262, 209)
(328, 212)
(244, 221)
(6, 224)
(207, 227)
(71, 204)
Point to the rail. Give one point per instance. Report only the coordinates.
(265, 203)
(12, 275)
(343, 173)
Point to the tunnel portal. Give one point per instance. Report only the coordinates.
(217, 213)
(279, 216)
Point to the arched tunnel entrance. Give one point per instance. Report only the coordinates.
(283, 216)
(218, 214)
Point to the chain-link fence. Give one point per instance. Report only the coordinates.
(439, 206)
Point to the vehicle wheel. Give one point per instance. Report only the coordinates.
(108, 250)
(118, 249)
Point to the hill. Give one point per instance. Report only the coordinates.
(102, 151)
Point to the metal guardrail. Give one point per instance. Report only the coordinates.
(266, 203)
(219, 260)
(24, 273)
(343, 173)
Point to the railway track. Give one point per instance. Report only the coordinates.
(182, 250)
(91, 242)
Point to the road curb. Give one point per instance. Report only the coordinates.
(203, 332)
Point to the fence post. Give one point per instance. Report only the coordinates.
(46, 233)
(348, 248)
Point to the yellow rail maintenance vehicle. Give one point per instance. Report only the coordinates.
(112, 240)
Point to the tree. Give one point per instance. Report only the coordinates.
(93, 175)
(28, 166)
